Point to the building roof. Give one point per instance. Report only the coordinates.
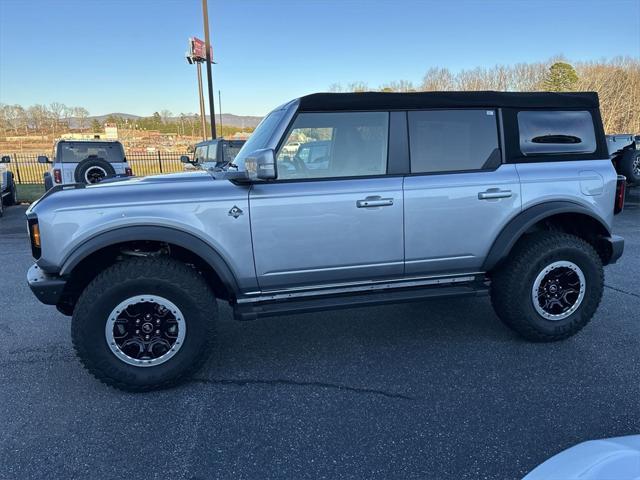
(417, 100)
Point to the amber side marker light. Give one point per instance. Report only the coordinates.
(34, 233)
(621, 186)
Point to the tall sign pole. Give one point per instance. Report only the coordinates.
(203, 115)
(207, 43)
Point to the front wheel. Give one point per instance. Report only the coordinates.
(550, 287)
(144, 324)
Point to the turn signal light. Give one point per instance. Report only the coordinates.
(620, 192)
(34, 233)
(57, 175)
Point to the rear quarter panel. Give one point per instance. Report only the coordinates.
(590, 183)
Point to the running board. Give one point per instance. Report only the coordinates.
(252, 311)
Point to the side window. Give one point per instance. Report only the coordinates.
(328, 145)
(453, 140)
(201, 154)
(556, 132)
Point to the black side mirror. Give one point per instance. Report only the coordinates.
(43, 159)
(5, 159)
(186, 159)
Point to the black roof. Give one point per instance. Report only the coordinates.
(414, 100)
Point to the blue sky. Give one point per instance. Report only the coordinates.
(128, 56)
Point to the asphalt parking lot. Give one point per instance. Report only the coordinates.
(437, 389)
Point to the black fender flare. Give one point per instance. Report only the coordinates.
(169, 235)
(518, 225)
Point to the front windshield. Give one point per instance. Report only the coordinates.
(260, 137)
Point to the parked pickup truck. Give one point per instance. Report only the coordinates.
(624, 150)
(214, 154)
(420, 195)
(8, 190)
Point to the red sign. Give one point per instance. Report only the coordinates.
(197, 50)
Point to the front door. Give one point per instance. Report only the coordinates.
(333, 220)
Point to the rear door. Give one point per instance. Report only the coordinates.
(459, 195)
(341, 222)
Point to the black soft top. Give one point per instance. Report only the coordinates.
(415, 100)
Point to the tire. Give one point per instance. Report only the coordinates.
(93, 170)
(513, 284)
(48, 183)
(175, 286)
(629, 166)
(1, 207)
(12, 199)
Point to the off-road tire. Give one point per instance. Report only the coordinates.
(164, 277)
(12, 198)
(628, 166)
(512, 284)
(93, 162)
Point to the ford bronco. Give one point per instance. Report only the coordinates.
(417, 195)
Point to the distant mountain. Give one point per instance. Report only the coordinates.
(229, 119)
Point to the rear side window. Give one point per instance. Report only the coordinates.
(453, 140)
(556, 132)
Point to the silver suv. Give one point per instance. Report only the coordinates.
(417, 195)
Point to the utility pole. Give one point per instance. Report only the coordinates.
(203, 115)
(207, 46)
(220, 110)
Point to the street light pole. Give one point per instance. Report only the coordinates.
(207, 46)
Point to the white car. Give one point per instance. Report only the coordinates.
(85, 162)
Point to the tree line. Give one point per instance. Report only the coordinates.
(616, 80)
(57, 118)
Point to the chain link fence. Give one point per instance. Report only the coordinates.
(26, 169)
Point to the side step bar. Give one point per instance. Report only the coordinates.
(252, 311)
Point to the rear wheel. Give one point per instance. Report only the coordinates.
(630, 166)
(550, 287)
(144, 324)
(12, 198)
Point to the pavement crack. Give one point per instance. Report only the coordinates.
(241, 382)
(622, 291)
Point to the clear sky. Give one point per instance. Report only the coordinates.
(128, 55)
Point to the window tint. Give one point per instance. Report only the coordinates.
(325, 145)
(549, 132)
(453, 140)
(76, 152)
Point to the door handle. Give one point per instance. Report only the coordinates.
(376, 201)
(494, 193)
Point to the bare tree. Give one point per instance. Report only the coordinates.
(81, 114)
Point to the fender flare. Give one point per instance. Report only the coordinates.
(154, 233)
(518, 225)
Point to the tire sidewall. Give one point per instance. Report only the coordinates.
(593, 290)
(91, 328)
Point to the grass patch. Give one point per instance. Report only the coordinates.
(29, 192)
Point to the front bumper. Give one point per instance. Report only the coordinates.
(616, 242)
(47, 288)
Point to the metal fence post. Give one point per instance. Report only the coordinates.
(160, 162)
(15, 157)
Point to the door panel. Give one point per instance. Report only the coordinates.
(314, 232)
(451, 220)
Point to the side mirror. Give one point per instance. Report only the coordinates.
(261, 165)
(5, 159)
(43, 159)
(185, 159)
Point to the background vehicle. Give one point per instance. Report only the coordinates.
(8, 191)
(421, 195)
(85, 162)
(624, 150)
(213, 154)
(314, 155)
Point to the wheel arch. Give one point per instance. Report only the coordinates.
(557, 215)
(103, 248)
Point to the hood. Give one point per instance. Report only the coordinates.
(181, 187)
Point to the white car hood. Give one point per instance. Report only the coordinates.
(609, 459)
